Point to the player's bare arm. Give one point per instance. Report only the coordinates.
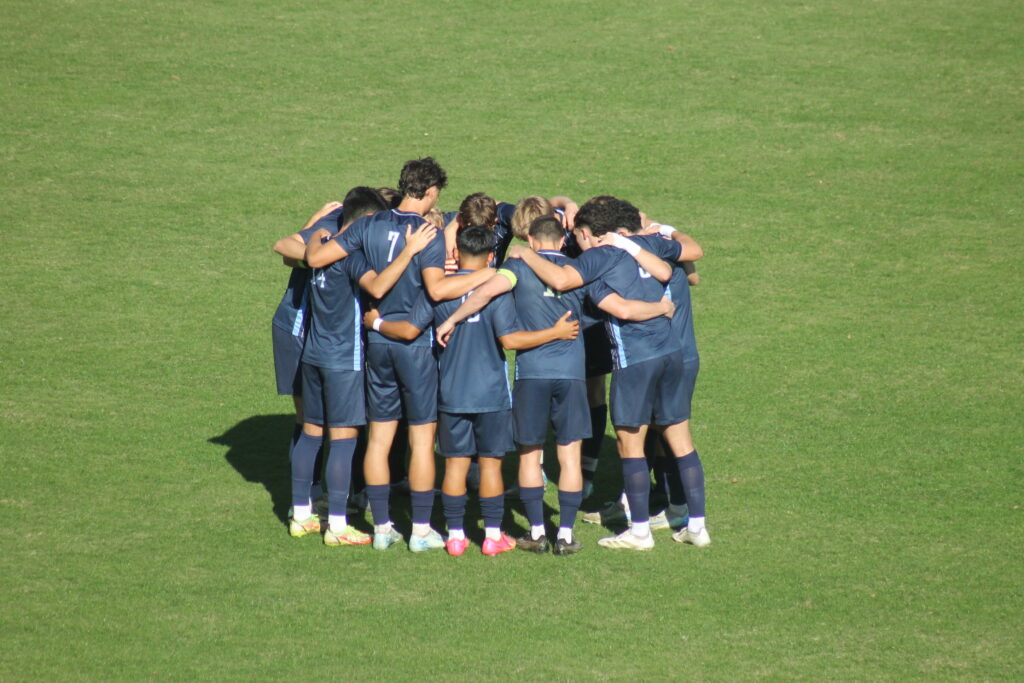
(402, 330)
(474, 303)
(442, 288)
(323, 211)
(559, 278)
(634, 310)
(377, 285)
(320, 254)
(569, 209)
(292, 249)
(562, 329)
(692, 276)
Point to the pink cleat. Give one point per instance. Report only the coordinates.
(502, 545)
(456, 546)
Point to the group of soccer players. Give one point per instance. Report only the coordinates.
(399, 316)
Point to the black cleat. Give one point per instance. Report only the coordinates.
(564, 547)
(530, 545)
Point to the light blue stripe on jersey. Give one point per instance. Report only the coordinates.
(357, 347)
(508, 387)
(300, 314)
(620, 351)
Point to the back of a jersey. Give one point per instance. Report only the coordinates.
(538, 307)
(473, 372)
(632, 341)
(381, 237)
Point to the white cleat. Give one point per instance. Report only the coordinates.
(701, 539)
(627, 541)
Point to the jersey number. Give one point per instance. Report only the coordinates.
(643, 273)
(393, 238)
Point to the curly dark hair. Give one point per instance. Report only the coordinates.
(419, 175)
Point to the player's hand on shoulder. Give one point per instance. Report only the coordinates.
(330, 206)
(567, 329)
(417, 240)
(516, 251)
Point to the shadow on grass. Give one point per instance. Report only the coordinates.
(258, 450)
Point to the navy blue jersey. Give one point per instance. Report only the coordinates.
(678, 290)
(335, 332)
(473, 370)
(380, 238)
(606, 270)
(538, 307)
(291, 312)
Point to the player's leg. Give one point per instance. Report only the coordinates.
(345, 411)
(680, 442)
(597, 407)
(568, 399)
(384, 408)
(303, 521)
(632, 403)
(455, 440)
(378, 474)
(492, 434)
(416, 369)
(530, 399)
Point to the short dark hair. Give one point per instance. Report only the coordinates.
(625, 215)
(478, 209)
(475, 241)
(361, 201)
(547, 229)
(595, 215)
(392, 196)
(419, 175)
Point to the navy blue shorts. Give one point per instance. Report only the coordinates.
(401, 381)
(461, 435)
(333, 398)
(564, 400)
(650, 392)
(598, 350)
(287, 353)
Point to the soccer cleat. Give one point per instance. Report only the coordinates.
(502, 545)
(701, 539)
(612, 513)
(564, 547)
(530, 545)
(456, 546)
(385, 540)
(299, 528)
(627, 541)
(432, 541)
(347, 536)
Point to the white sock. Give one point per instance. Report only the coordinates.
(695, 525)
(302, 512)
(641, 529)
(420, 529)
(493, 533)
(456, 534)
(382, 528)
(565, 533)
(536, 531)
(337, 522)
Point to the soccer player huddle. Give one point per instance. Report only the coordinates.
(399, 316)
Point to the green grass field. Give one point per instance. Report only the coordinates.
(853, 171)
